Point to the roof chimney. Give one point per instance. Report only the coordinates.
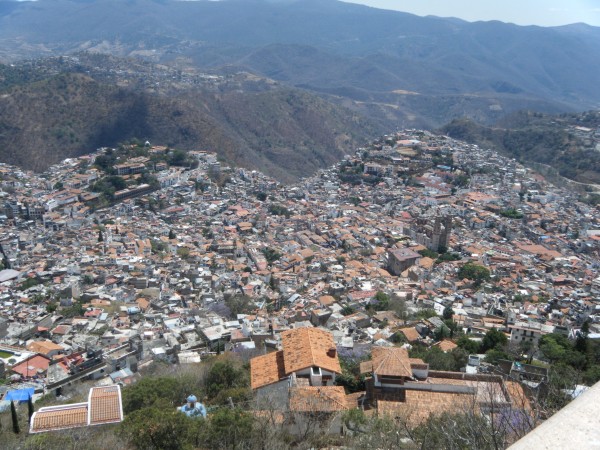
(331, 352)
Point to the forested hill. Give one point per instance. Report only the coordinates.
(568, 142)
(249, 122)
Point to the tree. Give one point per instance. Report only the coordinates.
(448, 313)
(177, 158)
(494, 355)
(183, 252)
(238, 304)
(382, 301)
(425, 314)
(15, 418)
(474, 272)
(469, 345)
(351, 378)
(493, 339)
(581, 343)
(30, 408)
(441, 332)
(224, 375)
(159, 427)
(172, 234)
(100, 236)
(149, 390)
(271, 255)
(229, 429)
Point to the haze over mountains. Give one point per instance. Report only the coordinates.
(398, 69)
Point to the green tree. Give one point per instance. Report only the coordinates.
(592, 375)
(383, 301)
(351, 378)
(172, 234)
(224, 375)
(150, 390)
(448, 313)
(493, 339)
(15, 418)
(183, 252)
(159, 427)
(229, 429)
(469, 345)
(177, 158)
(475, 272)
(271, 255)
(30, 408)
(425, 314)
(494, 355)
(239, 304)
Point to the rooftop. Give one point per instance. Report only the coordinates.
(103, 406)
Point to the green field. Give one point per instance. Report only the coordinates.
(4, 354)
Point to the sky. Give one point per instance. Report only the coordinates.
(520, 12)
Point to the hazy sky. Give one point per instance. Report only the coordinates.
(521, 12)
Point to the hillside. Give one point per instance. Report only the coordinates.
(285, 132)
(407, 67)
(540, 138)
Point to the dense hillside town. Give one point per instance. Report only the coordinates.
(428, 261)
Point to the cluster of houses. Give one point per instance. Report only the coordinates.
(228, 259)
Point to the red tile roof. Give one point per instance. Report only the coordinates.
(103, 406)
(391, 361)
(318, 398)
(266, 369)
(59, 417)
(308, 347)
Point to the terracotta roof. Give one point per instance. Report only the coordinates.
(318, 398)
(411, 334)
(32, 366)
(366, 367)
(60, 417)
(105, 405)
(419, 405)
(326, 300)
(44, 347)
(266, 369)
(391, 361)
(308, 347)
(446, 345)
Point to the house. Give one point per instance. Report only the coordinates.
(34, 366)
(411, 334)
(47, 348)
(298, 381)
(307, 354)
(446, 345)
(104, 406)
(402, 386)
(528, 332)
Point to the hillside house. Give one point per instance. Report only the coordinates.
(402, 386)
(298, 381)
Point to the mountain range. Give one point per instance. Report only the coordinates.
(249, 121)
(397, 69)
